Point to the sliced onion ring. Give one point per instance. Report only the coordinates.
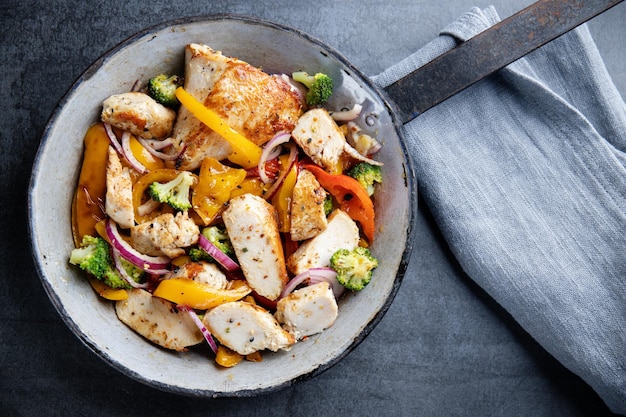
(269, 152)
(293, 153)
(117, 260)
(128, 154)
(113, 139)
(356, 155)
(315, 275)
(205, 332)
(346, 115)
(217, 254)
(161, 155)
(151, 264)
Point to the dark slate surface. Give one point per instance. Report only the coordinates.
(444, 347)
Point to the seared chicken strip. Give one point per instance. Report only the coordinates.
(307, 207)
(254, 103)
(341, 233)
(320, 138)
(252, 225)
(308, 310)
(204, 272)
(166, 235)
(138, 113)
(246, 328)
(158, 320)
(119, 193)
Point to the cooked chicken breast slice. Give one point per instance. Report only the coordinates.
(138, 113)
(166, 235)
(252, 102)
(319, 137)
(307, 207)
(341, 232)
(158, 320)
(252, 225)
(246, 328)
(204, 272)
(308, 310)
(119, 192)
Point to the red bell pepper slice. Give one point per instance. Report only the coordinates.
(351, 196)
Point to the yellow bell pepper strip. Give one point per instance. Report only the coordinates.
(282, 199)
(245, 152)
(198, 295)
(88, 203)
(144, 157)
(249, 186)
(141, 185)
(351, 196)
(215, 183)
(107, 292)
(227, 357)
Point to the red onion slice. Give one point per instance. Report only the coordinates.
(128, 154)
(270, 152)
(113, 139)
(292, 160)
(315, 275)
(151, 264)
(157, 152)
(356, 155)
(117, 260)
(217, 254)
(205, 332)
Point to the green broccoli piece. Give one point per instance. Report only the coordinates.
(353, 267)
(218, 236)
(367, 175)
(320, 87)
(328, 204)
(162, 88)
(174, 192)
(94, 257)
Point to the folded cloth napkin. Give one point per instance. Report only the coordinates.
(525, 175)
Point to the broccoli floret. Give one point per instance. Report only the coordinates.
(162, 88)
(320, 87)
(328, 204)
(353, 267)
(367, 175)
(218, 236)
(94, 257)
(174, 192)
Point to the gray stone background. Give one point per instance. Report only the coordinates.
(444, 347)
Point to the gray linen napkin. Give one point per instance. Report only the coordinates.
(525, 174)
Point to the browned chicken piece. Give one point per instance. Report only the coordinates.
(119, 192)
(341, 233)
(254, 103)
(246, 328)
(252, 226)
(320, 138)
(158, 320)
(166, 235)
(307, 207)
(308, 310)
(204, 272)
(138, 113)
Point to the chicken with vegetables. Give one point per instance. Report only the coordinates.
(226, 205)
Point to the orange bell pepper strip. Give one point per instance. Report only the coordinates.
(245, 152)
(215, 184)
(199, 295)
(351, 196)
(88, 203)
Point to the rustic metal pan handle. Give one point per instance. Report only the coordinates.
(485, 53)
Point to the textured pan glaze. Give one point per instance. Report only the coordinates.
(160, 49)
